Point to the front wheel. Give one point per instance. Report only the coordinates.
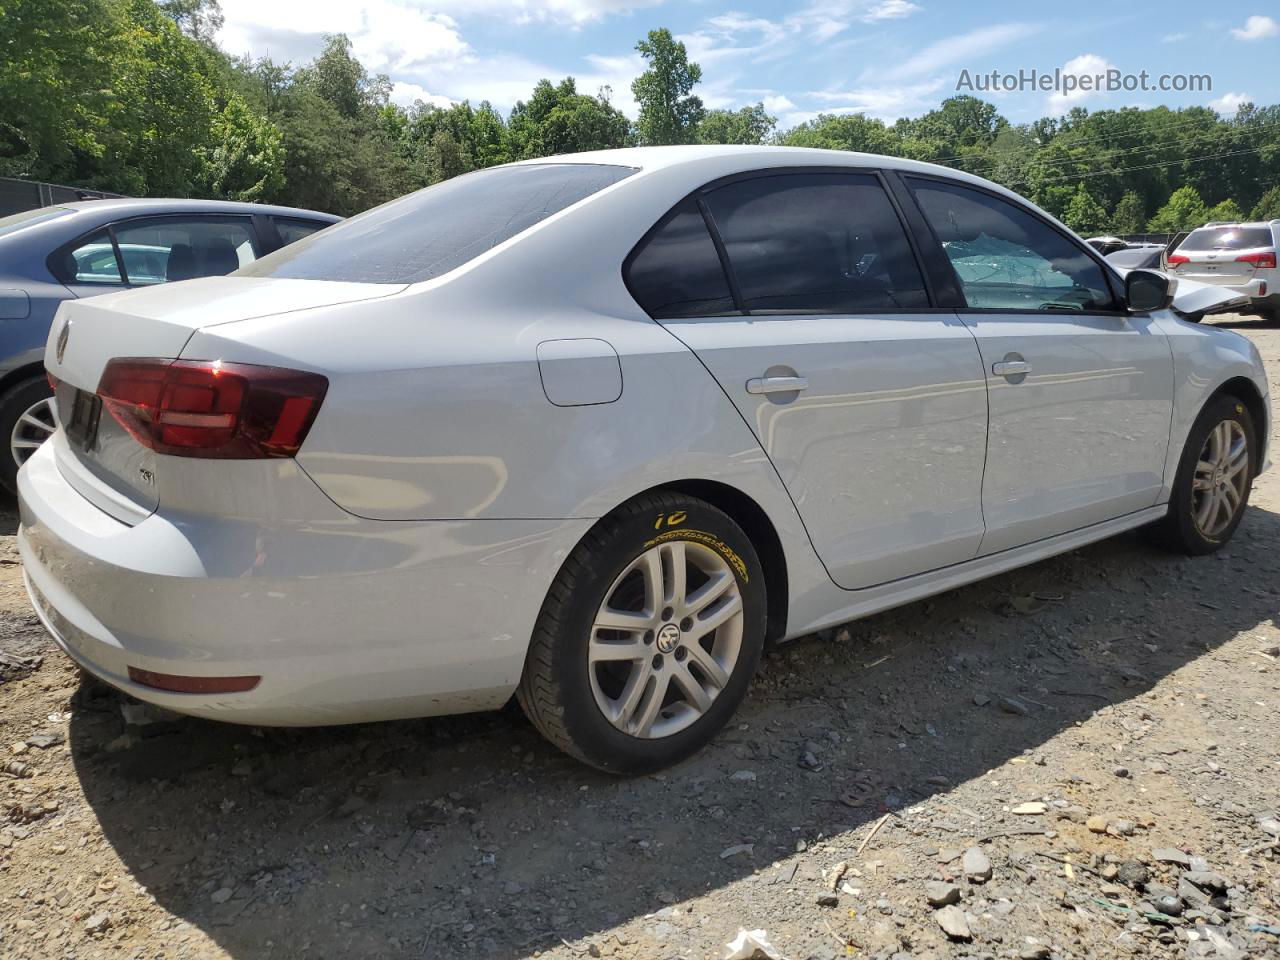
(1211, 488)
(649, 636)
(26, 421)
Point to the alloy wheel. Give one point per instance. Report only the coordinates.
(666, 639)
(1221, 478)
(36, 425)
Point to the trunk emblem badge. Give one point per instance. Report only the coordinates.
(63, 337)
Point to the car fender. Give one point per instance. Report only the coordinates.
(1205, 358)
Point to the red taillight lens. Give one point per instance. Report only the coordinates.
(1177, 258)
(1262, 260)
(53, 381)
(201, 408)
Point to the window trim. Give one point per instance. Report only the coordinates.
(53, 264)
(1109, 277)
(698, 194)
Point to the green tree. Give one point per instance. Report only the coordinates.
(558, 119)
(750, 125)
(1226, 210)
(1184, 211)
(852, 131)
(1129, 216)
(245, 157)
(669, 111)
(52, 97)
(1085, 215)
(1268, 206)
(198, 19)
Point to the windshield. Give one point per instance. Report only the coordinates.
(29, 218)
(433, 231)
(1227, 238)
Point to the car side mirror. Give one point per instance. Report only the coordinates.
(1147, 290)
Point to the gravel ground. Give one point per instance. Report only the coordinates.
(1075, 760)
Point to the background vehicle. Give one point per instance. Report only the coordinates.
(1241, 256)
(590, 429)
(76, 250)
(1137, 256)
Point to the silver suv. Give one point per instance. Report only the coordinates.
(1241, 256)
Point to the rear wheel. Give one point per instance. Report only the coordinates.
(1211, 489)
(26, 421)
(648, 638)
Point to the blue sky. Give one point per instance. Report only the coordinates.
(887, 58)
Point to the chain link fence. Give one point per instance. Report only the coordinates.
(18, 195)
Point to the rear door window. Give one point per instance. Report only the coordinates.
(816, 243)
(1207, 239)
(93, 260)
(292, 230)
(676, 272)
(1005, 257)
(433, 231)
(165, 249)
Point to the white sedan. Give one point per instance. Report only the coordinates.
(591, 429)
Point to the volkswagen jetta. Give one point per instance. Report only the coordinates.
(591, 429)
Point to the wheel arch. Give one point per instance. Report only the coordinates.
(1246, 391)
(17, 375)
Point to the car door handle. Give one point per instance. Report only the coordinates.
(1010, 368)
(777, 384)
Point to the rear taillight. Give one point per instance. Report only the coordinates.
(1261, 260)
(1177, 258)
(202, 408)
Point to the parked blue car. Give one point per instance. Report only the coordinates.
(52, 254)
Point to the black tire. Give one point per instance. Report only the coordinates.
(16, 401)
(1178, 531)
(555, 690)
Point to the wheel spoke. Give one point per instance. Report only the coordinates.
(625, 620)
(1231, 497)
(697, 697)
(728, 607)
(708, 593)
(603, 651)
(26, 444)
(650, 564)
(632, 694)
(710, 666)
(1207, 503)
(1239, 460)
(674, 573)
(36, 422)
(655, 693)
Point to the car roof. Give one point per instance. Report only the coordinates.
(727, 159)
(132, 206)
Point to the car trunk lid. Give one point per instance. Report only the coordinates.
(96, 453)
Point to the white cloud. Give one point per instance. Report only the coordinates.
(1088, 65)
(1229, 103)
(1257, 28)
(386, 35)
(778, 103)
(886, 103)
(1174, 37)
(966, 47)
(890, 10)
(407, 94)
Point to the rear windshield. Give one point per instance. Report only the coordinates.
(433, 231)
(1227, 238)
(29, 218)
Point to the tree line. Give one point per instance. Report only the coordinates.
(135, 96)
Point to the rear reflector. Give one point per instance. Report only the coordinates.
(202, 408)
(1266, 261)
(176, 684)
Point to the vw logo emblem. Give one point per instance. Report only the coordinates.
(63, 336)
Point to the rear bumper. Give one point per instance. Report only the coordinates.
(1256, 289)
(345, 620)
